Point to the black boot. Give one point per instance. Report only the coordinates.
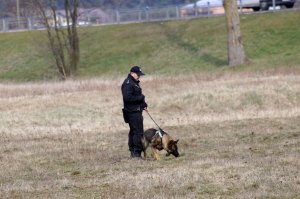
(131, 154)
(137, 155)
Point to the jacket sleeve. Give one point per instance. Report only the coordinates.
(127, 91)
(145, 105)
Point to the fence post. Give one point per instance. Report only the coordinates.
(208, 8)
(167, 14)
(4, 25)
(89, 18)
(118, 16)
(29, 21)
(140, 15)
(241, 6)
(177, 12)
(147, 13)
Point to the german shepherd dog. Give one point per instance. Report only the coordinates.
(159, 140)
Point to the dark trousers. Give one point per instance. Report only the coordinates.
(135, 135)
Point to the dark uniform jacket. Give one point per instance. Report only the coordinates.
(133, 99)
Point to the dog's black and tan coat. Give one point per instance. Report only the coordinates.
(159, 140)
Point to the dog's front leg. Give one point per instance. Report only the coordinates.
(145, 146)
(155, 153)
(145, 153)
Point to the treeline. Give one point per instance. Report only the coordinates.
(8, 8)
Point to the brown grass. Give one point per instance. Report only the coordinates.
(239, 138)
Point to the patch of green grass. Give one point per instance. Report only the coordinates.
(271, 41)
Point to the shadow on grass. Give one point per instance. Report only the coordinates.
(216, 61)
(175, 36)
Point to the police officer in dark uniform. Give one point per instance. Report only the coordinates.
(134, 104)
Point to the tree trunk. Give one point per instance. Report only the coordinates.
(72, 13)
(236, 53)
(64, 42)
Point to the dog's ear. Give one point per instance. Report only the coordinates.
(172, 142)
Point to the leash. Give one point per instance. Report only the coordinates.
(160, 131)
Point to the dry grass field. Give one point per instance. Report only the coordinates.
(239, 137)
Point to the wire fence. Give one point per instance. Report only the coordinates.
(96, 16)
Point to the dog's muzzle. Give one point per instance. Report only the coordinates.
(174, 153)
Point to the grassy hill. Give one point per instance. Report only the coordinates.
(272, 41)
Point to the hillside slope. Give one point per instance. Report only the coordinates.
(174, 47)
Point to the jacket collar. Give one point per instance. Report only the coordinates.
(130, 77)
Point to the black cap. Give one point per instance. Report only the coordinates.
(137, 70)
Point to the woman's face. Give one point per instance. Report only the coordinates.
(135, 76)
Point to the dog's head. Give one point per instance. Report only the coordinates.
(172, 148)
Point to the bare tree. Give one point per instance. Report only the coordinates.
(236, 52)
(13, 8)
(62, 33)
